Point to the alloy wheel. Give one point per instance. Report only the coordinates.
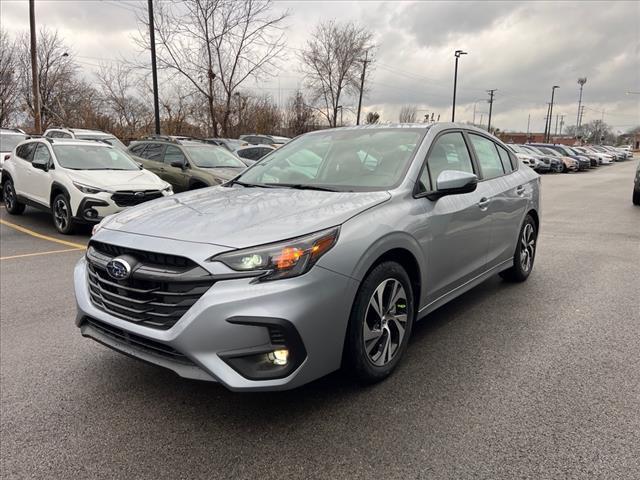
(8, 195)
(527, 247)
(385, 322)
(61, 214)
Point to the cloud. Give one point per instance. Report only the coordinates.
(520, 48)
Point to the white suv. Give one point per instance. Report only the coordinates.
(78, 181)
(84, 134)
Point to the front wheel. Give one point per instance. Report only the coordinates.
(62, 217)
(525, 253)
(636, 197)
(11, 203)
(380, 324)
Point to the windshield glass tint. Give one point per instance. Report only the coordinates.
(113, 141)
(213, 157)
(93, 157)
(9, 142)
(360, 160)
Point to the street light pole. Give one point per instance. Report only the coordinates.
(457, 54)
(154, 69)
(35, 88)
(581, 82)
(364, 71)
(553, 92)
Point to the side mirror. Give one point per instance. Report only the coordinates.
(40, 164)
(453, 182)
(179, 164)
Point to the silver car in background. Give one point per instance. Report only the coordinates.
(324, 254)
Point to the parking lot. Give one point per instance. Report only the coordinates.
(534, 380)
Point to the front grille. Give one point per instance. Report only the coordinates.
(138, 342)
(143, 256)
(128, 198)
(156, 294)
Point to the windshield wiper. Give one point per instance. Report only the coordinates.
(301, 186)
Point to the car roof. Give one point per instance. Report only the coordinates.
(69, 141)
(256, 146)
(11, 131)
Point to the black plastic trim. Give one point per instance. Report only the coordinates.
(292, 340)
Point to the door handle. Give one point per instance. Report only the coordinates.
(483, 203)
(520, 189)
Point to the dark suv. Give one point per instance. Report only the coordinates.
(186, 164)
(258, 139)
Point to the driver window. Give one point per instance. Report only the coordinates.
(449, 152)
(173, 154)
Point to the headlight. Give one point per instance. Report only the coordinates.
(287, 259)
(168, 190)
(89, 189)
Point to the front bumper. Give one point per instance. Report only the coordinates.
(316, 305)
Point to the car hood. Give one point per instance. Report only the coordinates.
(243, 217)
(224, 173)
(117, 179)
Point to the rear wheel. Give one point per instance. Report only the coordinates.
(525, 253)
(62, 217)
(11, 203)
(636, 197)
(380, 324)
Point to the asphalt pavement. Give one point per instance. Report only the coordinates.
(539, 380)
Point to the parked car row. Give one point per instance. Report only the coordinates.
(548, 157)
(81, 176)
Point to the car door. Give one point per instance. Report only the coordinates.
(507, 197)
(457, 228)
(39, 180)
(152, 154)
(22, 165)
(176, 176)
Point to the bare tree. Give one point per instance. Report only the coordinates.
(299, 115)
(9, 79)
(372, 117)
(408, 114)
(332, 64)
(57, 77)
(120, 89)
(217, 45)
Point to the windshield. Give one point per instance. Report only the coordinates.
(9, 142)
(342, 160)
(533, 149)
(549, 151)
(113, 141)
(519, 149)
(208, 156)
(93, 157)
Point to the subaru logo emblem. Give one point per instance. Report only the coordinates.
(118, 269)
(139, 194)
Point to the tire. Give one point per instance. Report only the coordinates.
(11, 203)
(636, 197)
(373, 359)
(62, 215)
(564, 168)
(525, 252)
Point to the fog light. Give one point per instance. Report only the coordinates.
(91, 213)
(278, 357)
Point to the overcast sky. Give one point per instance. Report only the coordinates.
(521, 49)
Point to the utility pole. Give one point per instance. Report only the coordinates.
(491, 92)
(457, 54)
(561, 123)
(553, 91)
(154, 69)
(364, 70)
(35, 90)
(555, 132)
(528, 124)
(546, 123)
(581, 82)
